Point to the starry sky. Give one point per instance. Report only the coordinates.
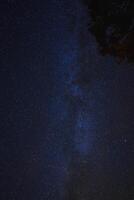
(66, 111)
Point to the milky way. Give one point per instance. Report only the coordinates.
(85, 105)
(67, 111)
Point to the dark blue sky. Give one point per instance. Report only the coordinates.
(66, 112)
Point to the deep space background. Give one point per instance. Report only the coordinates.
(66, 111)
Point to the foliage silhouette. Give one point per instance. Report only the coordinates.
(112, 24)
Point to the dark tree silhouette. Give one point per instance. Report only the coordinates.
(112, 24)
(89, 182)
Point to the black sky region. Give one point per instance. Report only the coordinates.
(66, 110)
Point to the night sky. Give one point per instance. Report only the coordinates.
(66, 111)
